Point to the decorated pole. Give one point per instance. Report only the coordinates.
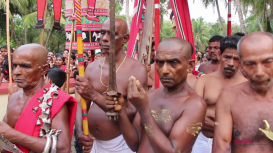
(8, 42)
(81, 63)
(43, 30)
(69, 57)
(229, 18)
(157, 36)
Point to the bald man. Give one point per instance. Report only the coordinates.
(244, 112)
(33, 112)
(169, 118)
(93, 89)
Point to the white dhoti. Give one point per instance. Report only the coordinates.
(202, 144)
(117, 145)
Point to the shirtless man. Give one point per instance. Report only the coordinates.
(241, 110)
(214, 54)
(210, 86)
(107, 133)
(20, 124)
(169, 118)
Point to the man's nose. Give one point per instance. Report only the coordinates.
(16, 70)
(231, 62)
(165, 69)
(105, 37)
(259, 71)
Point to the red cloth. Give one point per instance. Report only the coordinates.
(136, 21)
(27, 120)
(57, 4)
(64, 67)
(183, 22)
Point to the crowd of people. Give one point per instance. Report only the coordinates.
(226, 108)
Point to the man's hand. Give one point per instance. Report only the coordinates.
(4, 127)
(148, 67)
(115, 102)
(136, 94)
(85, 142)
(85, 88)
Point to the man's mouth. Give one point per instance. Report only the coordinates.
(104, 47)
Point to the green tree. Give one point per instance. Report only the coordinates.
(200, 33)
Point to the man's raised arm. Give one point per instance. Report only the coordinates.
(223, 124)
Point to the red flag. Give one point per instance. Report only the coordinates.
(136, 21)
(183, 21)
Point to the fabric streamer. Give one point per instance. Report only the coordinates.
(134, 31)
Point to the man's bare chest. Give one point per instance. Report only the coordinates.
(14, 111)
(248, 121)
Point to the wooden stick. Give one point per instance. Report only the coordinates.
(8, 42)
(43, 30)
(151, 38)
(69, 56)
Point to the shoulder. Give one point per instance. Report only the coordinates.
(14, 96)
(230, 94)
(202, 65)
(136, 64)
(196, 102)
(94, 64)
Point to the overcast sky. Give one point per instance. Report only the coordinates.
(197, 9)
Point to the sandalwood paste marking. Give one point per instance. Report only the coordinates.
(194, 129)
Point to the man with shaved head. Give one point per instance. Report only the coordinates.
(210, 86)
(93, 89)
(34, 112)
(169, 118)
(244, 112)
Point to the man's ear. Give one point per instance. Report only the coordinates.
(242, 70)
(125, 39)
(191, 65)
(44, 69)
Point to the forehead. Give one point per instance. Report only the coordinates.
(24, 57)
(106, 25)
(217, 43)
(232, 51)
(258, 49)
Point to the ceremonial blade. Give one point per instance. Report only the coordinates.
(112, 86)
(7, 145)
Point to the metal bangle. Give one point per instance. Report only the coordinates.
(55, 141)
(48, 142)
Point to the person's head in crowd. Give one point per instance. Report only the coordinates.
(85, 56)
(89, 53)
(1, 59)
(60, 60)
(214, 47)
(240, 34)
(50, 54)
(207, 51)
(153, 50)
(4, 51)
(76, 73)
(56, 76)
(98, 54)
(230, 62)
(65, 53)
(72, 59)
(49, 59)
(205, 59)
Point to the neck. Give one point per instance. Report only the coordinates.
(33, 90)
(215, 61)
(177, 89)
(119, 56)
(260, 94)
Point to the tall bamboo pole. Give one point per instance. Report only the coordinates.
(69, 56)
(8, 42)
(43, 30)
(157, 36)
(229, 19)
(151, 38)
(81, 62)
